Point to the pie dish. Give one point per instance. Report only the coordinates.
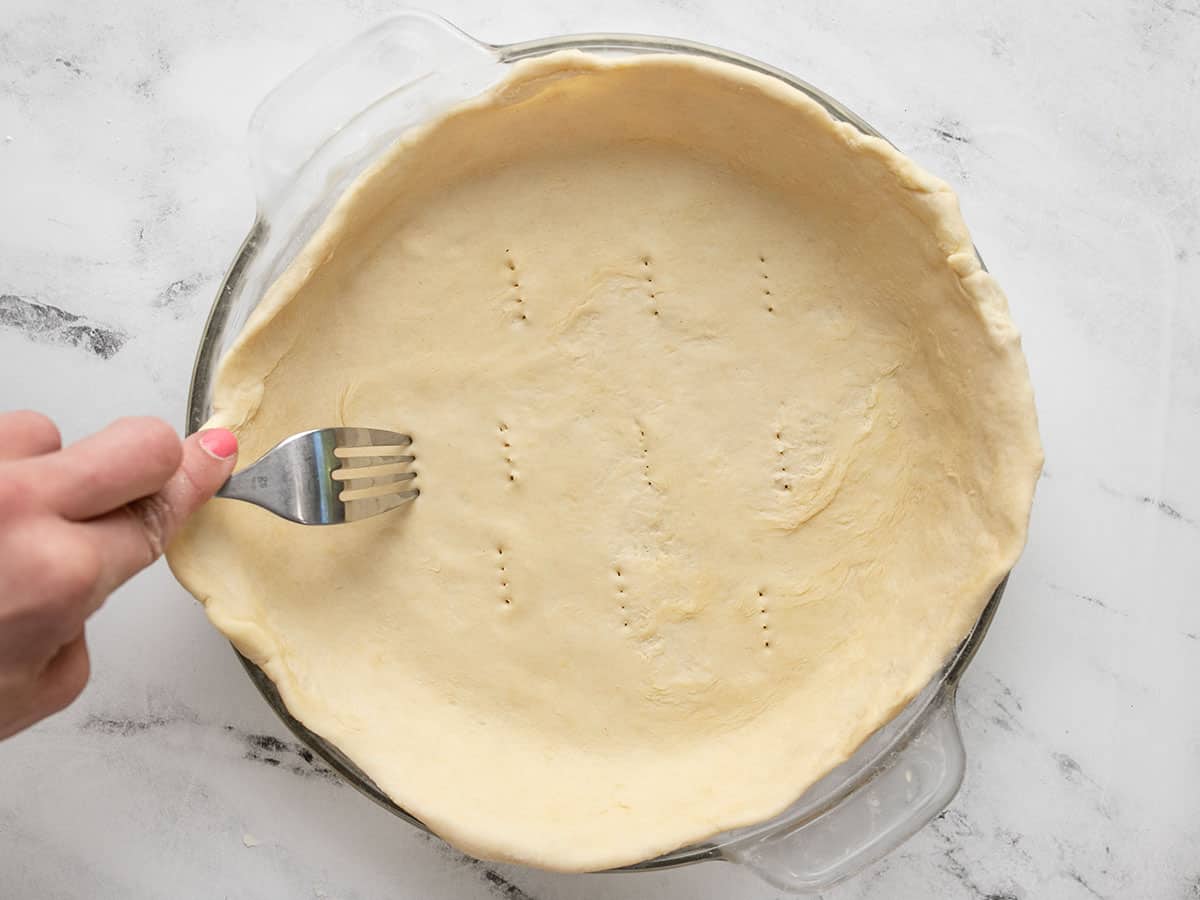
(725, 442)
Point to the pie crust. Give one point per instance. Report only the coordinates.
(724, 439)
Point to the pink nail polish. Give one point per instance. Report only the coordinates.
(219, 443)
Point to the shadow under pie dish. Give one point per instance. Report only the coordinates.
(725, 441)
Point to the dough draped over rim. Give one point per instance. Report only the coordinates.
(724, 438)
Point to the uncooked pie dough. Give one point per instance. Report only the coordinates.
(724, 440)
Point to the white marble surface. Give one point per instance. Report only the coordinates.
(1070, 130)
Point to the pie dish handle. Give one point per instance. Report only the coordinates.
(399, 72)
(909, 789)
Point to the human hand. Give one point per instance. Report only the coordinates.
(75, 524)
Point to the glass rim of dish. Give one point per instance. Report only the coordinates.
(913, 716)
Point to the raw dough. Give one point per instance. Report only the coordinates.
(724, 441)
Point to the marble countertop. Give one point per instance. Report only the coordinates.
(1070, 132)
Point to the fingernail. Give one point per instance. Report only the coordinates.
(219, 443)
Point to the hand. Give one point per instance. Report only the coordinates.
(75, 524)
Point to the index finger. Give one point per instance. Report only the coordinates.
(26, 433)
(129, 459)
(133, 536)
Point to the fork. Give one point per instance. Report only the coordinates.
(328, 475)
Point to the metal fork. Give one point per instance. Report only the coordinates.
(329, 475)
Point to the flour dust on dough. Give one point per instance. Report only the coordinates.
(724, 439)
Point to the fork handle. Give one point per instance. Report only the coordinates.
(274, 488)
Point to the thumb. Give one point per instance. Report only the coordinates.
(208, 460)
(134, 536)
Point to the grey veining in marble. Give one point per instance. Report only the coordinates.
(1069, 130)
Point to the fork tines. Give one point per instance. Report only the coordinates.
(376, 473)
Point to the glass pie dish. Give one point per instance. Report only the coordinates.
(309, 140)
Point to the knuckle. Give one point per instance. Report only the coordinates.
(71, 568)
(15, 497)
(157, 443)
(69, 681)
(39, 429)
(155, 518)
(81, 673)
(50, 576)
